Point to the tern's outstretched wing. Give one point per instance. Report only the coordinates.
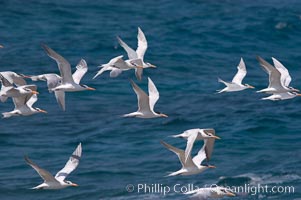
(142, 44)
(153, 94)
(143, 100)
(131, 53)
(63, 64)
(241, 73)
(45, 175)
(81, 70)
(71, 164)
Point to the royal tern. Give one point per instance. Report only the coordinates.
(236, 84)
(117, 65)
(8, 89)
(139, 53)
(285, 80)
(196, 134)
(23, 106)
(146, 103)
(210, 192)
(57, 182)
(192, 165)
(69, 82)
(278, 77)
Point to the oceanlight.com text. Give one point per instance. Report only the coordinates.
(158, 188)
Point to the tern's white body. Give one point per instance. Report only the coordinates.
(57, 182)
(146, 103)
(236, 84)
(196, 134)
(212, 192)
(191, 165)
(117, 65)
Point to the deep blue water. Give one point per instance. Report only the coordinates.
(192, 43)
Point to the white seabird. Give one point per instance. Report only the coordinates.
(236, 83)
(278, 83)
(58, 181)
(69, 82)
(146, 103)
(192, 165)
(23, 106)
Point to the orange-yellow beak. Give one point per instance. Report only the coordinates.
(298, 94)
(230, 194)
(42, 111)
(34, 92)
(163, 115)
(90, 88)
(211, 166)
(216, 137)
(74, 185)
(250, 86)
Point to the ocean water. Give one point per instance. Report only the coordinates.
(192, 43)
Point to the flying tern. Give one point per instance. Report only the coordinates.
(23, 106)
(279, 77)
(146, 103)
(69, 82)
(58, 181)
(236, 83)
(192, 165)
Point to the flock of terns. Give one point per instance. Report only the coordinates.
(279, 80)
(24, 96)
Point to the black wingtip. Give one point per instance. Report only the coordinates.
(26, 158)
(258, 57)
